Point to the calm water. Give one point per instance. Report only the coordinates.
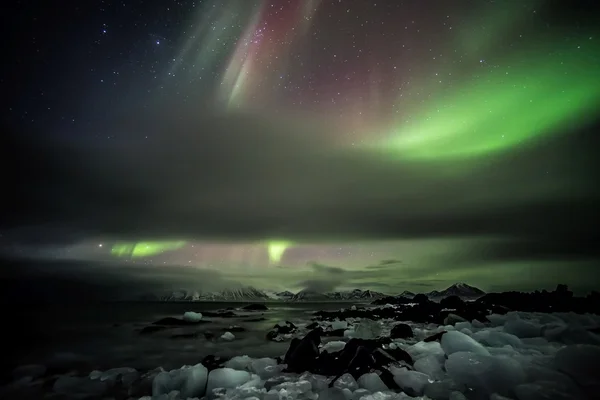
(107, 335)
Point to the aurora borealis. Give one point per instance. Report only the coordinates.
(296, 143)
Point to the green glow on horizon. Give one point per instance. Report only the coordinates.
(276, 250)
(505, 107)
(144, 249)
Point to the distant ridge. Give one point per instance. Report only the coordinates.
(252, 294)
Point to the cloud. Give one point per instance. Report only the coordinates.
(319, 285)
(326, 269)
(389, 262)
(237, 177)
(66, 280)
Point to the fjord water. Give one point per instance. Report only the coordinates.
(106, 335)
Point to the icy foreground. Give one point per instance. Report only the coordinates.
(524, 356)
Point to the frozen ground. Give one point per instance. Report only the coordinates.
(524, 356)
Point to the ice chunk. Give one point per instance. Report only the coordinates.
(228, 336)
(189, 381)
(318, 382)
(452, 319)
(332, 394)
(339, 325)
(372, 382)
(367, 329)
(430, 365)
(359, 393)
(226, 378)
(191, 316)
(334, 346)
(486, 373)
(581, 362)
(264, 367)
(353, 308)
(544, 390)
(457, 396)
(496, 339)
(241, 363)
(346, 381)
(194, 381)
(412, 382)
(459, 326)
(347, 393)
(113, 373)
(496, 396)
(497, 319)
(298, 387)
(95, 374)
(78, 387)
(349, 333)
(423, 349)
(439, 390)
(454, 341)
(522, 328)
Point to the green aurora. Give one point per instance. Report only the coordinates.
(144, 249)
(505, 108)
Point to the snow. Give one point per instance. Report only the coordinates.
(191, 316)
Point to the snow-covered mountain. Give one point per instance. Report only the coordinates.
(252, 294)
(285, 295)
(236, 294)
(458, 289)
(309, 295)
(356, 294)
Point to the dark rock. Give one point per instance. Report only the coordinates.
(312, 325)
(171, 321)
(304, 354)
(255, 307)
(152, 328)
(281, 330)
(436, 337)
(420, 298)
(334, 332)
(401, 331)
(401, 355)
(392, 300)
(388, 379)
(561, 300)
(452, 302)
(293, 344)
(213, 362)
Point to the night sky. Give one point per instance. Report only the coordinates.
(387, 145)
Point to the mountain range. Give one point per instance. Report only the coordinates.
(253, 294)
